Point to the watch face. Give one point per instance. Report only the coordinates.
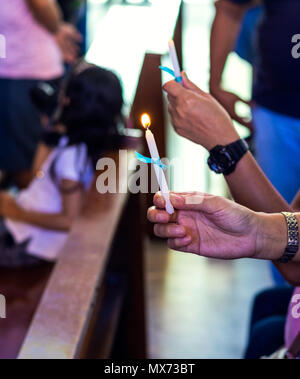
(220, 161)
(214, 166)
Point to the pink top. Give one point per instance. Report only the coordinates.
(292, 328)
(31, 51)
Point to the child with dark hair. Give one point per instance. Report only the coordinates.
(35, 224)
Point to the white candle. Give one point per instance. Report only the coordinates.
(159, 171)
(174, 58)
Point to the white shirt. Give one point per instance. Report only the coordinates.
(43, 196)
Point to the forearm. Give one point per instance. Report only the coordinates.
(59, 222)
(47, 13)
(259, 194)
(224, 32)
(251, 188)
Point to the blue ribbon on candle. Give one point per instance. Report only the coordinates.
(144, 159)
(178, 79)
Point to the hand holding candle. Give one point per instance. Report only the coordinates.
(146, 122)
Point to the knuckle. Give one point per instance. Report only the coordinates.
(169, 230)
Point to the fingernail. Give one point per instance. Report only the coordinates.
(159, 197)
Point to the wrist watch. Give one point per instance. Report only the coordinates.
(223, 159)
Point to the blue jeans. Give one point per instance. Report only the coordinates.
(277, 145)
(20, 126)
(266, 334)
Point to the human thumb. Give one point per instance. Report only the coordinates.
(188, 84)
(194, 202)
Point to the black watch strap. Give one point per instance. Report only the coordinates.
(223, 159)
(238, 149)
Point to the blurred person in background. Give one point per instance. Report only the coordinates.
(37, 43)
(34, 225)
(75, 13)
(276, 87)
(246, 44)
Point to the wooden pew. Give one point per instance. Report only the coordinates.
(92, 281)
(23, 290)
(91, 304)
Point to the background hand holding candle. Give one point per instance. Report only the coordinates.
(197, 116)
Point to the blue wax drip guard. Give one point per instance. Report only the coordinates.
(147, 160)
(178, 79)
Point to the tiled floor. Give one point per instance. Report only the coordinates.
(199, 308)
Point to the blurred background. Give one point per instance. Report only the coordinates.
(195, 308)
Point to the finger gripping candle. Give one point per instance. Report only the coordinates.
(163, 185)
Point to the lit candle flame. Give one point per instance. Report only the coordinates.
(146, 120)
